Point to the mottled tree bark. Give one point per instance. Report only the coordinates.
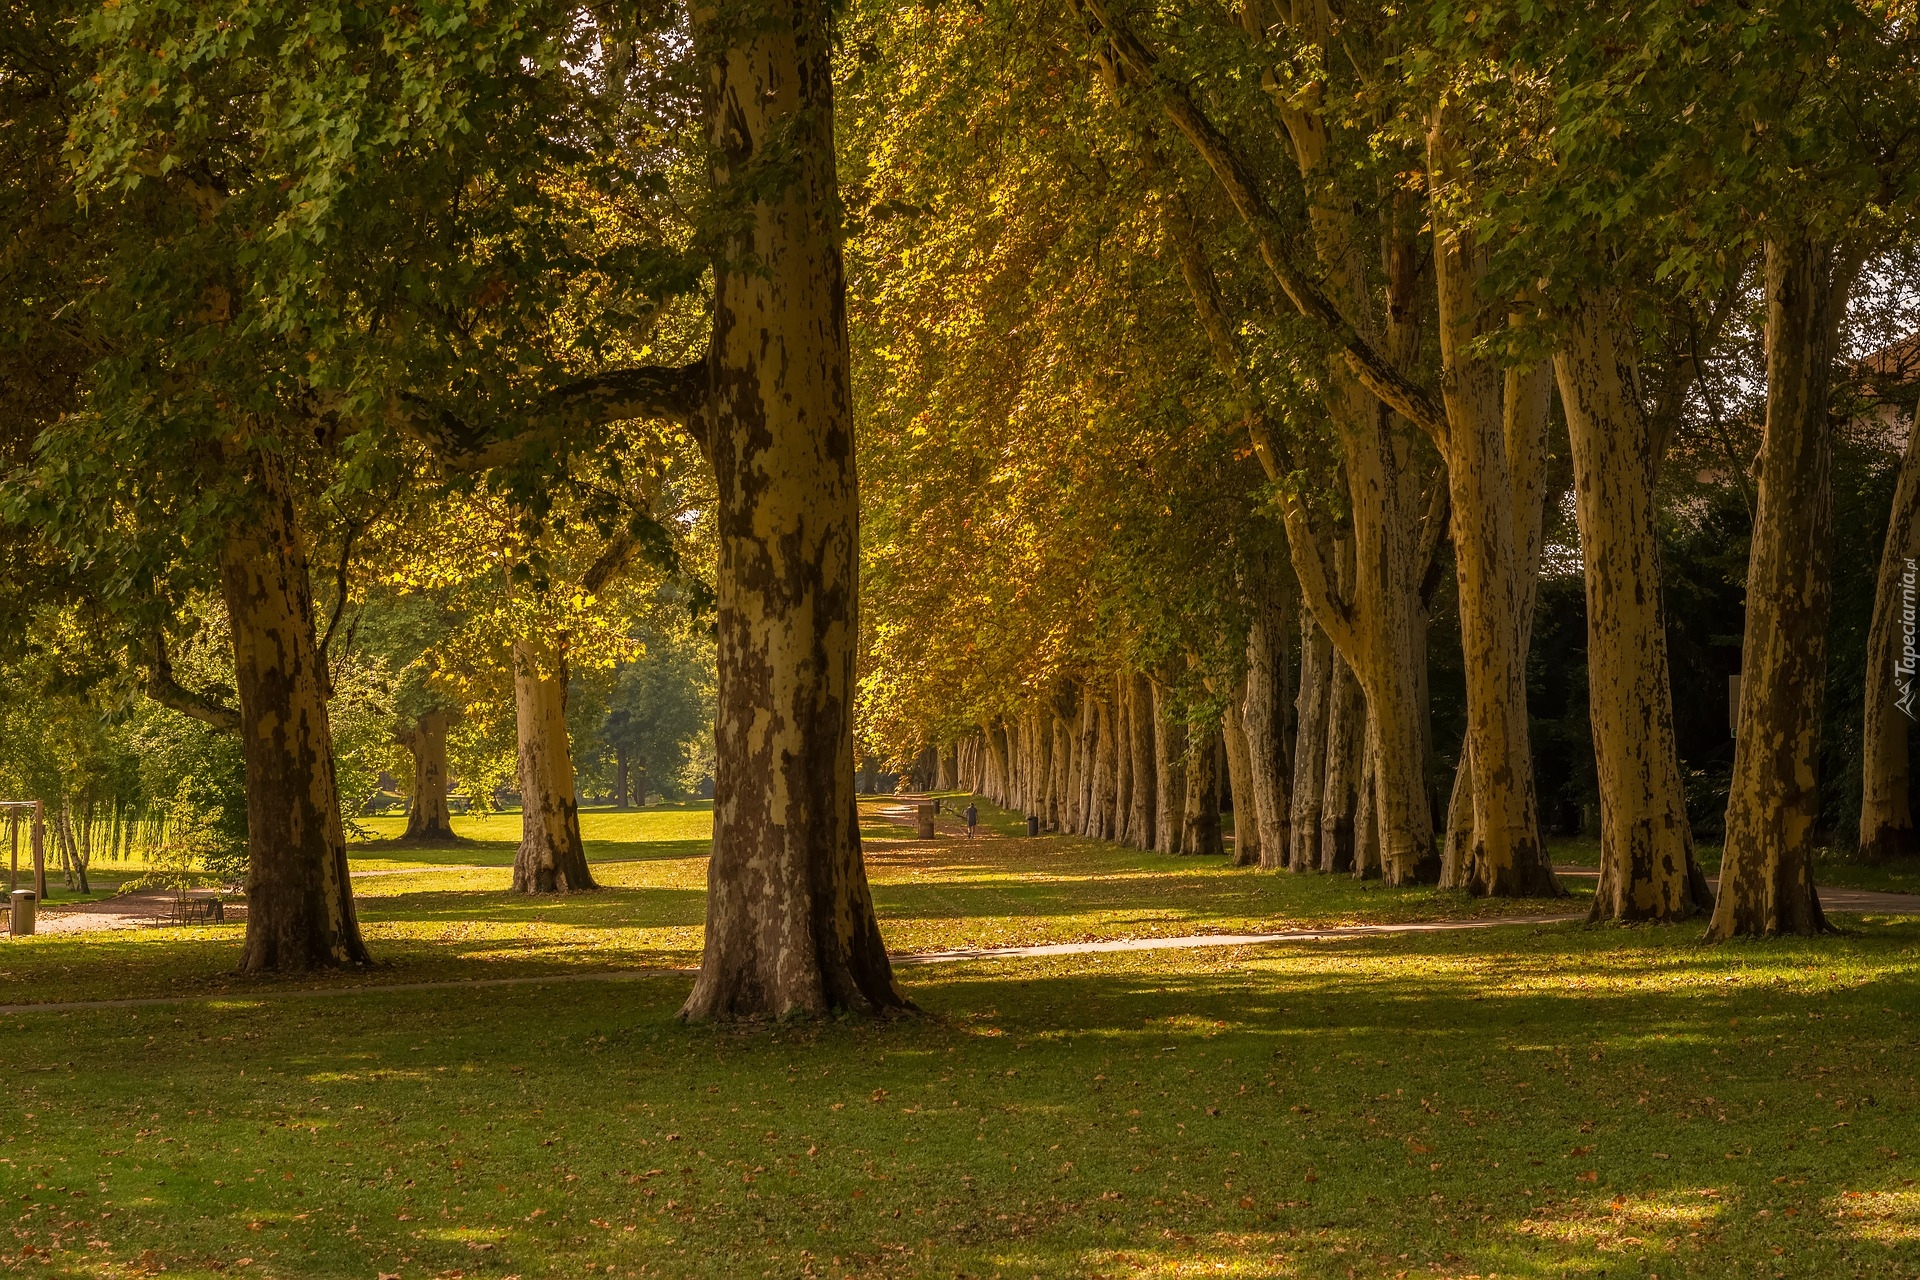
(1062, 772)
(1122, 758)
(999, 765)
(1766, 871)
(790, 922)
(1346, 759)
(550, 858)
(1647, 868)
(299, 898)
(1040, 727)
(1366, 819)
(1140, 735)
(1200, 817)
(1246, 824)
(1382, 633)
(1074, 814)
(428, 817)
(1106, 774)
(1169, 772)
(1893, 684)
(1264, 718)
(1508, 857)
(622, 777)
(1310, 744)
(1375, 617)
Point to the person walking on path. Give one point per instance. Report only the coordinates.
(973, 817)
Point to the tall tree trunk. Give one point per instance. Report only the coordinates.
(1106, 775)
(429, 818)
(1078, 763)
(1264, 718)
(1647, 867)
(1766, 871)
(1508, 858)
(76, 851)
(1366, 819)
(622, 778)
(1140, 823)
(1169, 772)
(1456, 847)
(63, 842)
(1041, 729)
(1122, 758)
(1346, 760)
(1246, 823)
(1310, 744)
(1526, 402)
(1200, 817)
(1020, 758)
(299, 897)
(1893, 681)
(1383, 635)
(1087, 750)
(998, 768)
(550, 858)
(1375, 619)
(1056, 816)
(790, 925)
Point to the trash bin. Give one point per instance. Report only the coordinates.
(1033, 825)
(926, 821)
(20, 922)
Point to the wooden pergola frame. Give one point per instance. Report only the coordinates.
(15, 810)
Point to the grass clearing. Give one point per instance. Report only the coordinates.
(1551, 1101)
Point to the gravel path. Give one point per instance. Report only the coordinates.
(143, 908)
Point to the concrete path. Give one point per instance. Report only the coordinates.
(1197, 940)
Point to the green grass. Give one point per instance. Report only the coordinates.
(1833, 868)
(442, 920)
(1563, 1102)
(1550, 1101)
(681, 829)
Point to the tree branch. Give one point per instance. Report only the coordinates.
(1406, 397)
(168, 692)
(1436, 528)
(1309, 549)
(677, 395)
(339, 601)
(609, 562)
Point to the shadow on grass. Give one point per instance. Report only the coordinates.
(500, 853)
(615, 907)
(1545, 1103)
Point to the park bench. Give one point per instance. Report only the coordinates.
(187, 910)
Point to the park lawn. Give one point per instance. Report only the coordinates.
(673, 829)
(1533, 1101)
(430, 921)
(1832, 868)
